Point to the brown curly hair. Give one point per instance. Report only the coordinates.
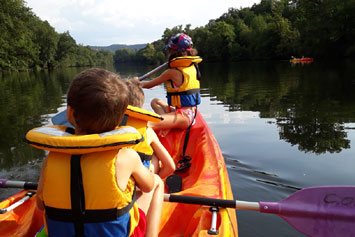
(99, 99)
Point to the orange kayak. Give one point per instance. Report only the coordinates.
(207, 177)
(24, 220)
(295, 60)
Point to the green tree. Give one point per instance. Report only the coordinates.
(220, 42)
(327, 27)
(46, 40)
(66, 49)
(17, 50)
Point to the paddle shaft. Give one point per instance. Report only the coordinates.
(4, 183)
(326, 209)
(141, 78)
(253, 206)
(265, 207)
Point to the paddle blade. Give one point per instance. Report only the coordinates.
(318, 211)
(61, 119)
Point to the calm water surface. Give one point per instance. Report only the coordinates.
(281, 127)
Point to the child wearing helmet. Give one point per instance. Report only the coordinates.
(182, 83)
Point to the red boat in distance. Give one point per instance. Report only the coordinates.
(301, 60)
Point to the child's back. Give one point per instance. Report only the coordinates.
(87, 184)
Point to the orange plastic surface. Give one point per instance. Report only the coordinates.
(24, 220)
(207, 177)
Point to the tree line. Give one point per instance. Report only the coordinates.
(27, 42)
(272, 29)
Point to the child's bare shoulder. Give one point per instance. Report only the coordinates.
(151, 135)
(172, 72)
(127, 157)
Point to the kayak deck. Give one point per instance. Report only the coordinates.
(24, 220)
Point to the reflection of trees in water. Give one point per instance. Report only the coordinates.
(313, 136)
(25, 98)
(310, 104)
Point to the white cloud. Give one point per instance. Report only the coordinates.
(105, 22)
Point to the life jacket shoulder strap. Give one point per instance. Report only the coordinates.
(185, 61)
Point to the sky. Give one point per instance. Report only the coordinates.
(106, 22)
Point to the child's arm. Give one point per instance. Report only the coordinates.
(129, 164)
(169, 74)
(168, 165)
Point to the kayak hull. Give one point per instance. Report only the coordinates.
(206, 177)
(299, 60)
(24, 220)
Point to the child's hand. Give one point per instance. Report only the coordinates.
(136, 81)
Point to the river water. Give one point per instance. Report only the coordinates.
(281, 127)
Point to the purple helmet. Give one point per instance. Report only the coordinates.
(180, 42)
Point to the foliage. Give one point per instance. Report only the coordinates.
(272, 29)
(27, 42)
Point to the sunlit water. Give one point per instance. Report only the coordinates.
(280, 127)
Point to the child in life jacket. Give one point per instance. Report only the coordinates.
(182, 85)
(154, 155)
(88, 180)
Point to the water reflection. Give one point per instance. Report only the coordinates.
(27, 100)
(310, 104)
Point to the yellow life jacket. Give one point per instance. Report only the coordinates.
(188, 94)
(81, 170)
(138, 118)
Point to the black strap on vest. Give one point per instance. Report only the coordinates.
(77, 194)
(188, 92)
(144, 156)
(90, 216)
(70, 130)
(197, 71)
(124, 120)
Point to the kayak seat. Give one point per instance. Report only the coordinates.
(174, 183)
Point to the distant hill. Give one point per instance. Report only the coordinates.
(114, 47)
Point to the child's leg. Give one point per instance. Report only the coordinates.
(171, 120)
(154, 165)
(157, 167)
(159, 106)
(151, 203)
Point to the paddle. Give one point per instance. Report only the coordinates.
(61, 117)
(4, 183)
(316, 211)
(141, 78)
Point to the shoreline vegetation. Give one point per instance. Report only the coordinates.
(270, 30)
